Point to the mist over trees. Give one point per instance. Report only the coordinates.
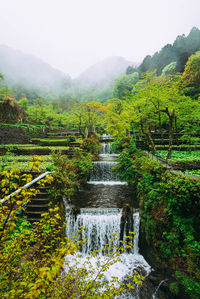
(22, 69)
(104, 72)
(182, 48)
(31, 78)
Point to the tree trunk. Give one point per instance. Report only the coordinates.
(171, 134)
(148, 136)
(171, 130)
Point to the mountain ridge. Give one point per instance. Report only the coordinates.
(104, 72)
(18, 67)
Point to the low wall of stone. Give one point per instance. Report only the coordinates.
(13, 135)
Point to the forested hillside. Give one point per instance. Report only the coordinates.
(27, 70)
(179, 52)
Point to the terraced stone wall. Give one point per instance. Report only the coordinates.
(11, 135)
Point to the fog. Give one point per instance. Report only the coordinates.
(71, 35)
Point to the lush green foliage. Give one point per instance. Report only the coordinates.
(86, 117)
(179, 52)
(169, 69)
(123, 84)
(187, 156)
(191, 74)
(170, 210)
(91, 145)
(122, 142)
(9, 161)
(70, 173)
(32, 258)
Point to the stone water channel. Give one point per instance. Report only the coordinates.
(99, 209)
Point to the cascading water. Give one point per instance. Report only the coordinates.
(136, 228)
(103, 174)
(105, 149)
(101, 225)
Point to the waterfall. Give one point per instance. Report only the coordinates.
(136, 228)
(103, 174)
(99, 227)
(105, 149)
(105, 226)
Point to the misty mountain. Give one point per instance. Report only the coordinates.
(29, 71)
(103, 73)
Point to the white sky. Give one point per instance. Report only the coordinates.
(74, 34)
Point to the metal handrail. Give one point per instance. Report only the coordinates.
(25, 186)
(170, 167)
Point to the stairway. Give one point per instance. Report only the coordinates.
(38, 205)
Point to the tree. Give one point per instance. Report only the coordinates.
(39, 102)
(124, 83)
(169, 69)
(191, 74)
(130, 70)
(156, 96)
(1, 76)
(10, 112)
(87, 116)
(115, 122)
(23, 103)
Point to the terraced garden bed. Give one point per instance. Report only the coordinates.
(55, 142)
(24, 162)
(182, 147)
(185, 156)
(186, 161)
(35, 149)
(42, 151)
(194, 172)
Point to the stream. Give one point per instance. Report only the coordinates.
(100, 209)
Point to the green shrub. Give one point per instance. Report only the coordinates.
(91, 145)
(170, 215)
(174, 288)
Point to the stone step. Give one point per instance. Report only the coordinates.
(42, 195)
(43, 189)
(39, 208)
(38, 201)
(34, 214)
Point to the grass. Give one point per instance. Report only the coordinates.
(23, 158)
(182, 156)
(23, 162)
(50, 140)
(17, 145)
(22, 125)
(195, 172)
(25, 166)
(33, 146)
(180, 145)
(47, 147)
(67, 140)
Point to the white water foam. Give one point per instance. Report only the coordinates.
(111, 183)
(99, 225)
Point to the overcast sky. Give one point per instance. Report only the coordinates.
(73, 34)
